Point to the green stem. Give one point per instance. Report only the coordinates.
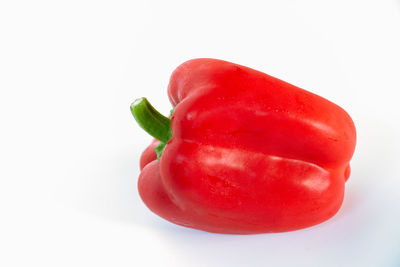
(152, 122)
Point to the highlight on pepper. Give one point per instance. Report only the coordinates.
(243, 152)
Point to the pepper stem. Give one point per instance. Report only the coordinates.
(153, 122)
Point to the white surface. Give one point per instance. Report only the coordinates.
(69, 147)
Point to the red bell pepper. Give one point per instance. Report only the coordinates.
(243, 152)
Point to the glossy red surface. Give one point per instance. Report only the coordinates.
(249, 153)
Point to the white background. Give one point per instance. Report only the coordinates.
(69, 147)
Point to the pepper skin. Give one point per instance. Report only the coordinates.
(249, 153)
